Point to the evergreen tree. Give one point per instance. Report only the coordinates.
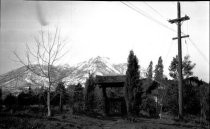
(159, 70)
(161, 88)
(187, 67)
(89, 93)
(150, 71)
(132, 85)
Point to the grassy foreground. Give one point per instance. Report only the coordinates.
(27, 120)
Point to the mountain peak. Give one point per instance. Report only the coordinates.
(97, 66)
(99, 59)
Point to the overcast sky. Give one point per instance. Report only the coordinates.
(107, 29)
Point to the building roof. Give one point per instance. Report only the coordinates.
(118, 80)
(110, 79)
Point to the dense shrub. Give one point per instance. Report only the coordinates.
(1, 102)
(24, 99)
(10, 101)
(20, 123)
(191, 99)
(78, 108)
(149, 105)
(195, 98)
(170, 101)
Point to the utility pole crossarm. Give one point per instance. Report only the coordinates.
(179, 19)
(185, 36)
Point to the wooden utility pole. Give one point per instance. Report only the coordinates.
(178, 21)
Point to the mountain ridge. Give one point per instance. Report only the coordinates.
(19, 79)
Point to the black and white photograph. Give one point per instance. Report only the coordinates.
(104, 64)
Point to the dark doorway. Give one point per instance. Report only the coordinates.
(117, 107)
(112, 88)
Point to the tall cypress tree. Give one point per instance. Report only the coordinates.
(161, 91)
(159, 70)
(150, 71)
(132, 86)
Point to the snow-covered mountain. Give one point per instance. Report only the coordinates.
(19, 79)
(96, 66)
(122, 67)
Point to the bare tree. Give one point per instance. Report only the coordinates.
(47, 51)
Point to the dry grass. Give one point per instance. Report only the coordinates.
(66, 120)
(143, 123)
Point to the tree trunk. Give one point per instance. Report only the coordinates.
(161, 108)
(60, 104)
(48, 104)
(156, 106)
(128, 106)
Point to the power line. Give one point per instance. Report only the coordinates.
(193, 43)
(136, 9)
(199, 51)
(147, 16)
(158, 22)
(155, 10)
(169, 50)
(155, 20)
(187, 47)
